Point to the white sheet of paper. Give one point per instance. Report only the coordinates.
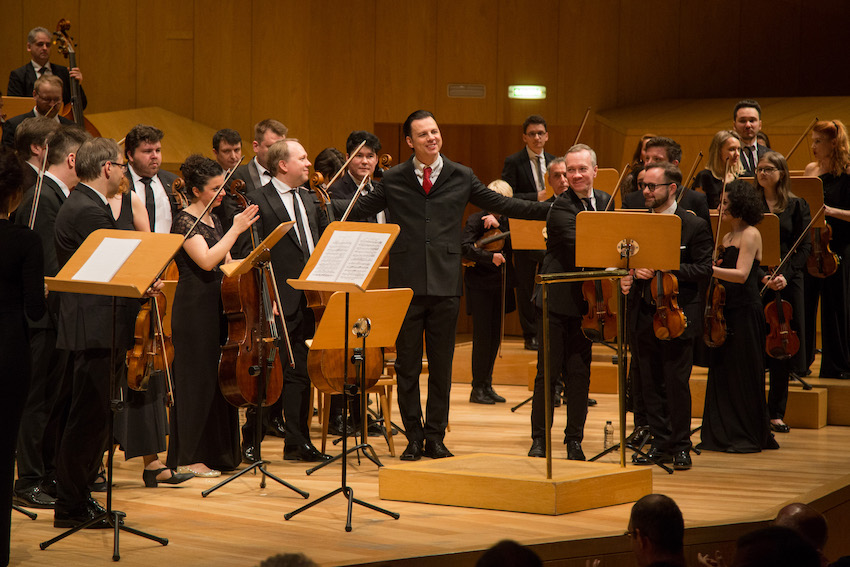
(349, 256)
(107, 259)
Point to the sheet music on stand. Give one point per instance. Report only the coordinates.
(107, 259)
(349, 257)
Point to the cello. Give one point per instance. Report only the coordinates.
(252, 333)
(74, 110)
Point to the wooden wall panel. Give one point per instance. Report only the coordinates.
(528, 55)
(406, 49)
(165, 55)
(343, 75)
(223, 68)
(12, 41)
(710, 39)
(777, 55)
(109, 75)
(823, 45)
(588, 56)
(282, 40)
(467, 52)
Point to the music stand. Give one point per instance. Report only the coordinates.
(345, 260)
(133, 277)
(259, 259)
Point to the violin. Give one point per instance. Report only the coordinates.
(822, 262)
(599, 323)
(782, 341)
(251, 349)
(713, 322)
(152, 352)
(669, 321)
(74, 110)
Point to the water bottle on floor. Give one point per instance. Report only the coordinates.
(609, 435)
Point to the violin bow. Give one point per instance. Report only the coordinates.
(690, 177)
(626, 170)
(580, 128)
(38, 185)
(719, 217)
(350, 157)
(354, 198)
(791, 250)
(800, 140)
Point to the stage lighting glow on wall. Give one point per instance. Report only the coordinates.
(527, 92)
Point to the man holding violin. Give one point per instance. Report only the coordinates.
(665, 364)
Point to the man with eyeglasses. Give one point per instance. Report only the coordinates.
(47, 93)
(525, 171)
(664, 366)
(569, 349)
(22, 80)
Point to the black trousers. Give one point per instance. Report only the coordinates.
(486, 308)
(436, 318)
(295, 395)
(38, 435)
(570, 353)
(664, 368)
(779, 370)
(525, 268)
(85, 435)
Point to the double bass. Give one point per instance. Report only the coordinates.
(65, 44)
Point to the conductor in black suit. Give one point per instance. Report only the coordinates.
(280, 200)
(22, 80)
(40, 423)
(746, 121)
(569, 349)
(660, 150)
(524, 171)
(665, 365)
(85, 329)
(47, 93)
(426, 196)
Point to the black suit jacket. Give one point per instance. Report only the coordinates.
(693, 274)
(167, 179)
(230, 207)
(691, 201)
(22, 82)
(344, 188)
(566, 298)
(49, 202)
(426, 256)
(761, 150)
(85, 321)
(12, 124)
(286, 256)
(517, 172)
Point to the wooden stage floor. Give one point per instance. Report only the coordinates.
(242, 524)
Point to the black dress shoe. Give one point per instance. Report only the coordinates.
(33, 497)
(335, 426)
(480, 396)
(436, 450)
(413, 452)
(538, 448)
(69, 521)
(249, 454)
(151, 480)
(275, 426)
(682, 461)
(494, 396)
(531, 344)
(306, 452)
(574, 452)
(780, 427)
(591, 402)
(49, 487)
(99, 484)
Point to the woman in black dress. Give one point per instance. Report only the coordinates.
(735, 417)
(484, 282)
(774, 184)
(725, 146)
(831, 150)
(204, 427)
(22, 293)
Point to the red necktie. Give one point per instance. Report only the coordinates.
(426, 180)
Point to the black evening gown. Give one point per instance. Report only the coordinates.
(21, 295)
(735, 416)
(141, 427)
(204, 427)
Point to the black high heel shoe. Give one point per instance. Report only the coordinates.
(176, 478)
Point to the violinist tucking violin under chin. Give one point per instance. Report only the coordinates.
(665, 363)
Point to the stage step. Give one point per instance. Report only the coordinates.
(807, 409)
(838, 398)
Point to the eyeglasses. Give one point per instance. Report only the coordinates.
(536, 134)
(123, 166)
(651, 186)
(766, 169)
